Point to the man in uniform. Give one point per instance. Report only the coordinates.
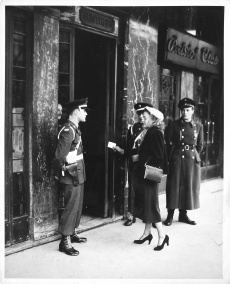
(185, 139)
(131, 153)
(69, 169)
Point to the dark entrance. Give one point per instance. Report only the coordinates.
(95, 78)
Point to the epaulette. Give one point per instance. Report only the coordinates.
(64, 128)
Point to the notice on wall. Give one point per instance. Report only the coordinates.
(18, 142)
(17, 166)
(18, 119)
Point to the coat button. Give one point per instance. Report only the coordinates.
(193, 157)
(182, 136)
(182, 143)
(182, 129)
(183, 150)
(183, 156)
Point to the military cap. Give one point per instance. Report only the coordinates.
(81, 103)
(141, 106)
(155, 112)
(186, 102)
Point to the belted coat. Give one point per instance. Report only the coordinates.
(185, 141)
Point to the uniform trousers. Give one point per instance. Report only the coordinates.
(132, 188)
(70, 218)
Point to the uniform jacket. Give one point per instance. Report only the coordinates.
(185, 140)
(152, 150)
(69, 139)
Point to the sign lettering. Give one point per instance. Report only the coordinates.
(97, 20)
(182, 49)
(186, 50)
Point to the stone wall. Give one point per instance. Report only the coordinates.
(44, 217)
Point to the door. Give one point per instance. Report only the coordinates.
(208, 112)
(94, 78)
(87, 69)
(18, 70)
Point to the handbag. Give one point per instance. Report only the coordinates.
(153, 173)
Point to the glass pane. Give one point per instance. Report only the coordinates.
(19, 51)
(215, 123)
(19, 195)
(19, 92)
(63, 94)
(187, 82)
(18, 118)
(201, 99)
(19, 27)
(63, 79)
(18, 142)
(64, 58)
(167, 95)
(19, 73)
(64, 37)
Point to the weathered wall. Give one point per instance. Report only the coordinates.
(142, 65)
(45, 86)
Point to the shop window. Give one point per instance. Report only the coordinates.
(201, 112)
(18, 116)
(167, 94)
(65, 66)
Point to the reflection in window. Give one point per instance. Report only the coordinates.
(167, 94)
(18, 116)
(64, 67)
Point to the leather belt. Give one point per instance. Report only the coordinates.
(188, 147)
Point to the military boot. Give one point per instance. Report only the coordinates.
(183, 217)
(169, 219)
(66, 246)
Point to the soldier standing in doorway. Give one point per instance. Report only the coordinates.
(185, 140)
(70, 171)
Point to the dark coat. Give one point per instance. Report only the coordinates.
(152, 149)
(69, 137)
(183, 180)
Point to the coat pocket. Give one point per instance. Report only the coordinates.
(197, 157)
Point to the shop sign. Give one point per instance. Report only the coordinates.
(97, 20)
(209, 59)
(185, 50)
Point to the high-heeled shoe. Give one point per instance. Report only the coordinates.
(148, 238)
(166, 240)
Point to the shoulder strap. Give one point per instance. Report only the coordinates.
(63, 128)
(131, 130)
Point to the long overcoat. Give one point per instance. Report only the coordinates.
(153, 152)
(185, 141)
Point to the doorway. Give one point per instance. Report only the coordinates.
(94, 77)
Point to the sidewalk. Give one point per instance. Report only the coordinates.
(194, 252)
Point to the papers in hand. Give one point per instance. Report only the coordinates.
(111, 145)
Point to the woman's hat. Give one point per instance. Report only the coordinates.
(155, 112)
